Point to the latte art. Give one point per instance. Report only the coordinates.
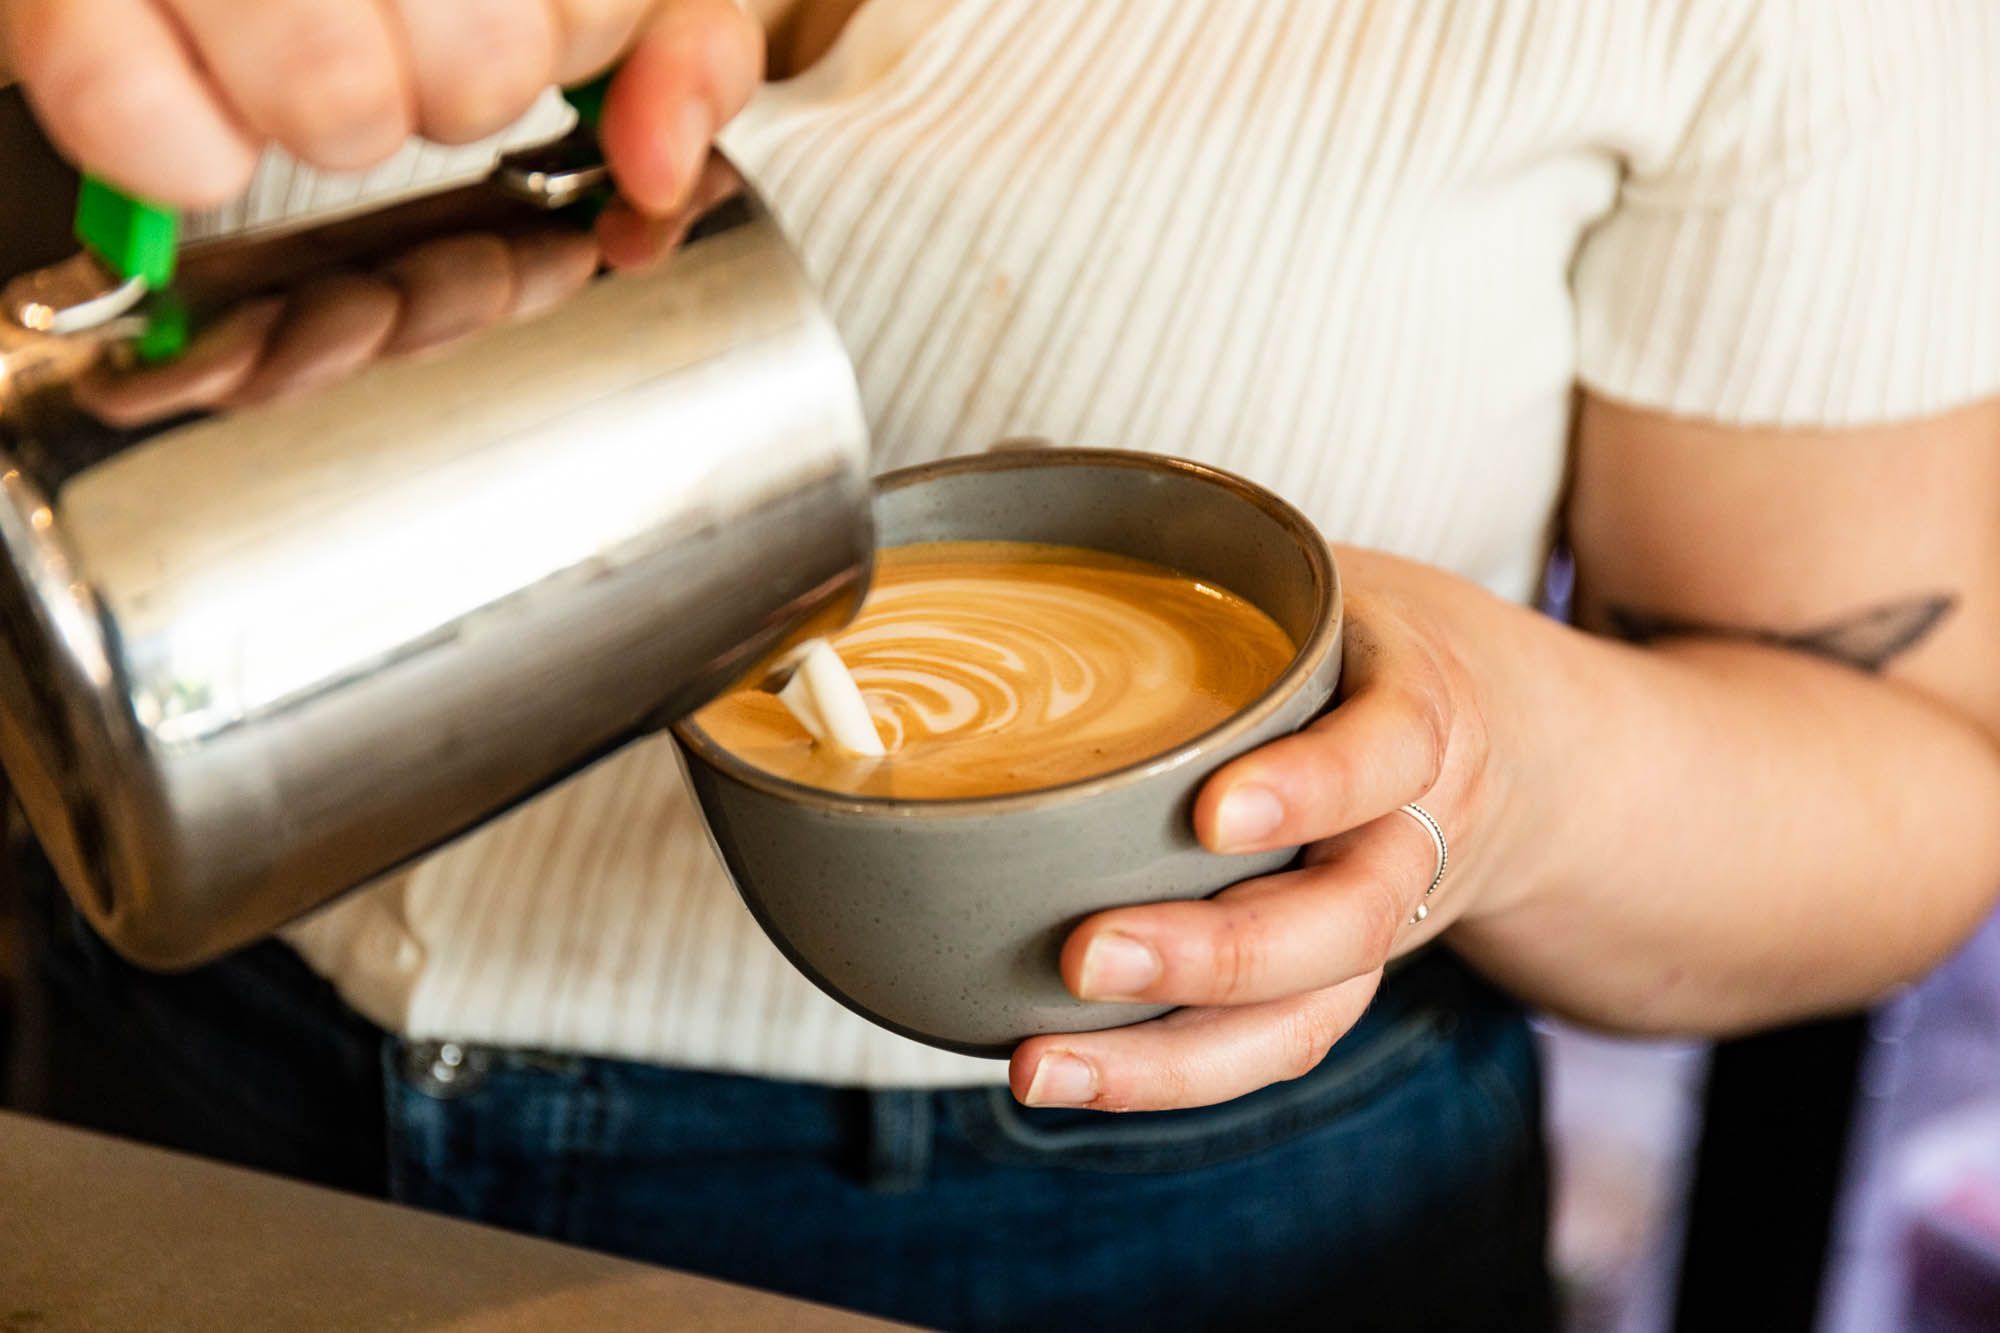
(992, 667)
(960, 656)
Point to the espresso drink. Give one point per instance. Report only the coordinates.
(993, 667)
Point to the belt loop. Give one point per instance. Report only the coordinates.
(899, 1141)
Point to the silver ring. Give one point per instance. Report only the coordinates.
(1436, 830)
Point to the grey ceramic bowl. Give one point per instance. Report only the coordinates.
(943, 920)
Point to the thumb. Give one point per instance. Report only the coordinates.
(692, 67)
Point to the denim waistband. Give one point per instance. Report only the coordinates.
(890, 1136)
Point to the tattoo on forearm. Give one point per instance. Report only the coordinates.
(1869, 639)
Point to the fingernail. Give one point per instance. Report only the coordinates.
(1117, 967)
(1061, 1079)
(1248, 816)
(691, 137)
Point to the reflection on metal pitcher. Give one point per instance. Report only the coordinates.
(438, 505)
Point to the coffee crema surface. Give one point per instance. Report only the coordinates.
(997, 667)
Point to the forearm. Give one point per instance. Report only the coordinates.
(1727, 835)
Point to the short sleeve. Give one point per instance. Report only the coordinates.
(1823, 247)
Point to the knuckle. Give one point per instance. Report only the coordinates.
(1304, 1039)
(325, 81)
(1338, 770)
(584, 19)
(120, 93)
(1236, 957)
(1320, 769)
(1472, 755)
(1424, 701)
(1382, 914)
(590, 32)
(479, 83)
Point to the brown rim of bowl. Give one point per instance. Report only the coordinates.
(1319, 560)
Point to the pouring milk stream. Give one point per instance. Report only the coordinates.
(822, 695)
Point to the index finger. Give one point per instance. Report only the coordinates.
(1382, 745)
(117, 91)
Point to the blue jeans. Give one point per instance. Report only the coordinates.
(1399, 1186)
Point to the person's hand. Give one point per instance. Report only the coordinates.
(280, 346)
(171, 100)
(1275, 970)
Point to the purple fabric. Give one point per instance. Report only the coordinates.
(1915, 1234)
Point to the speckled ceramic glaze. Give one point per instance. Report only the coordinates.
(943, 920)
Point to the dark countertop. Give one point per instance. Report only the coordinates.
(100, 1234)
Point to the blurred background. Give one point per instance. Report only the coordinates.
(1858, 1192)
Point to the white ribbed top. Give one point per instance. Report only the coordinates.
(1361, 252)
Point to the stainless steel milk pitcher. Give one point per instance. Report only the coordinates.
(409, 516)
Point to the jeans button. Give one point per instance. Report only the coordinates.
(445, 1069)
